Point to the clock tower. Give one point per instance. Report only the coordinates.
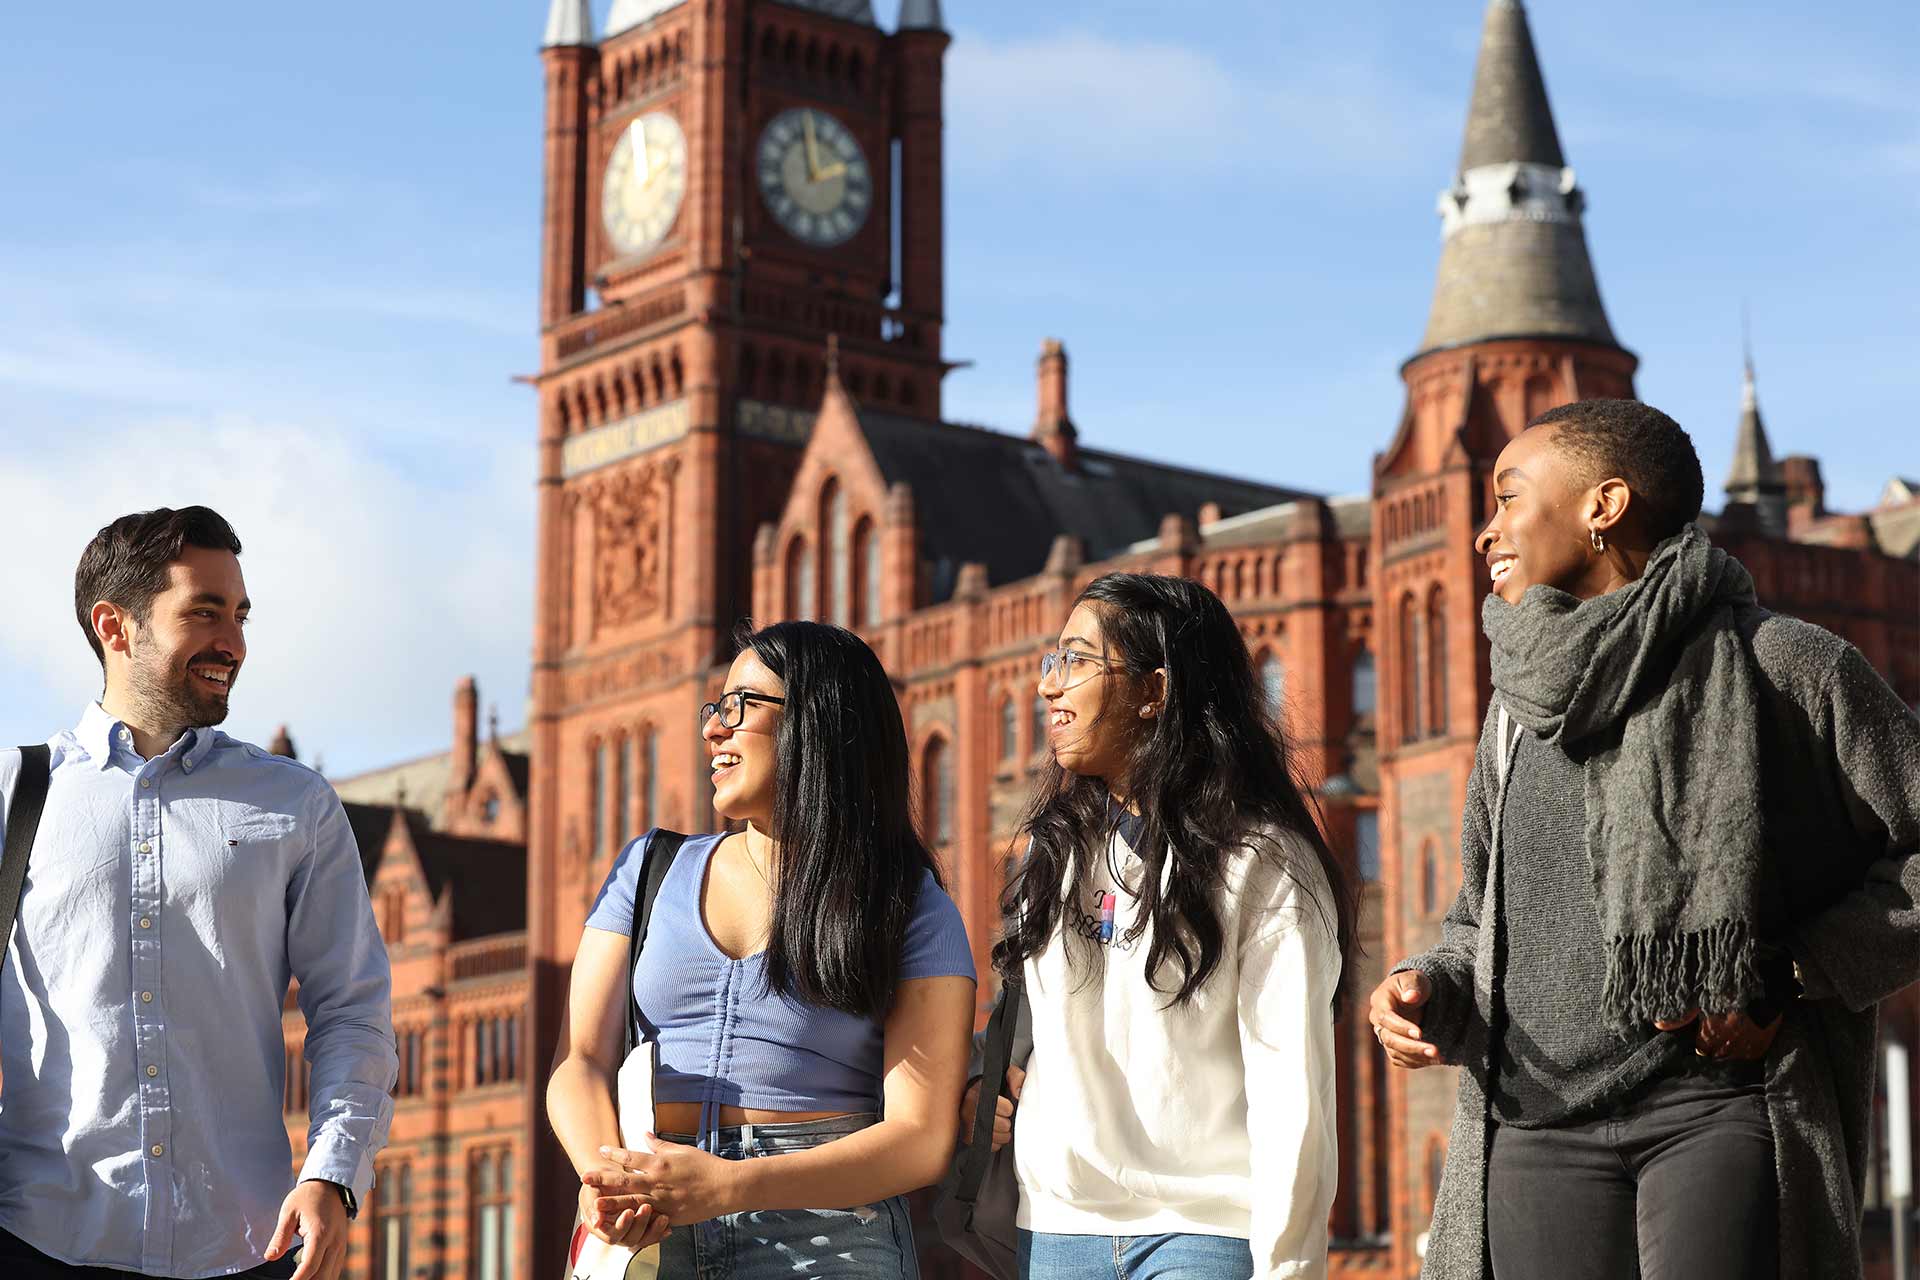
(733, 189)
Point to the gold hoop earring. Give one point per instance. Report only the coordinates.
(1599, 543)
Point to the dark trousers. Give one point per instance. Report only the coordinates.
(21, 1261)
(1677, 1182)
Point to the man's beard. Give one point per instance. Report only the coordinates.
(168, 697)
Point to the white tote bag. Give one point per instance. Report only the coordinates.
(588, 1256)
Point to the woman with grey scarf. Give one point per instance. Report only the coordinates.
(1689, 875)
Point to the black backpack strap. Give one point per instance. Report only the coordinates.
(23, 822)
(997, 1057)
(658, 854)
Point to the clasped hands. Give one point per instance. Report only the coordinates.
(1396, 1003)
(635, 1196)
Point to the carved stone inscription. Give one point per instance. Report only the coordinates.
(632, 512)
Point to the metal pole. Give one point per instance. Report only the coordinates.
(1899, 1156)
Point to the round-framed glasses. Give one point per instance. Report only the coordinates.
(1071, 667)
(732, 707)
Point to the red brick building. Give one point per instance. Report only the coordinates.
(739, 415)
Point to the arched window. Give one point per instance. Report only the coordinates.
(1273, 682)
(1413, 660)
(936, 792)
(649, 780)
(493, 1241)
(836, 531)
(1009, 730)
(597, 799)
(866, 574)
(1437, 662)
(623, 794)
(1366, 844)
(1040, 714)
(392, 1222)
(1429, 879)
(1364, 688)
(1436, 1166)
(799, 579)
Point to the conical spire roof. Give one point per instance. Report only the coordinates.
(1754, 472)
(1514, 260)
(1509, 118)
(569, 22)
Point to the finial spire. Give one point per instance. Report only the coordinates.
(1755, 476)
(833, 356)
(493, 721)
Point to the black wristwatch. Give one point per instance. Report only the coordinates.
(347, 1197)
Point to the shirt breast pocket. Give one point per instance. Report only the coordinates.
(257, 853)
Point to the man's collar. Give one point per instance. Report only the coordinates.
(99, 733)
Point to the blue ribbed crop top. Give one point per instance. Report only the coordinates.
(723, 1040)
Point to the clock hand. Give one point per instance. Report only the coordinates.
(831, 171)
(643, 158)
(813, 149)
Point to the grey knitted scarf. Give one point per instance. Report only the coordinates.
(1652, 689)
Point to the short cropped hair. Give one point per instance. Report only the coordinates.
(126, 563)
(1642, 446)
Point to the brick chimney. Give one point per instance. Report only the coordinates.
(1805, 488)
(1052, 426)
(466, 733)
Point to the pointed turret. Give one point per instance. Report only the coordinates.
(920, 15)
(1755, 478)
(1514, 261)
(569, 22)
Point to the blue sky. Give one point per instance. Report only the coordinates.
(282, 258)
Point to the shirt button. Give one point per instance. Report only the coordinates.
(188, 766)
(146, 922)
(146, 997)
(145, 847)
(146, 782)
(152, 1071)
(158, 1149)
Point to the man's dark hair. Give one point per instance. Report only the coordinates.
(1641, 445)
(126, 563)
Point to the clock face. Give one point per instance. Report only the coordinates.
(646, 176)
(814, 177)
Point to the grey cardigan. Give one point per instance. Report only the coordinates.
(1840, 774)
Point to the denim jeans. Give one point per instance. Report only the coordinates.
(870, 1242)
(1052, 1257)
(1677, 1182)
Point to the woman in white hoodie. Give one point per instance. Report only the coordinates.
(1181, 926)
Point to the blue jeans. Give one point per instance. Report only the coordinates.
(1051, 1257)
(871, 1242)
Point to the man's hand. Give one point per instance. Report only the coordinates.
(683, 1184)
(314, 1210)
(1393, 1011)
(631, 1222)
(1727, 1036)
(1002, 1113)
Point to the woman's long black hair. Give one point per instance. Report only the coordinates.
(1209, 776)
(850, 863)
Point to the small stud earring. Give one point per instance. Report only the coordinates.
(1599, 543)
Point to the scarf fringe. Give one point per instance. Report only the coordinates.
(1659, 977)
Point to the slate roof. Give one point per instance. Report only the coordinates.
(488, 877)
(1509, 118)
(1000, 500)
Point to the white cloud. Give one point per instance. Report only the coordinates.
(373, 589)
(1083, 106)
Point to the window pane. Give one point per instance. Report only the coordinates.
(597, 799)
(1009, 731)
(623, 794)
(1366, 844)
(650, 774)
(1039, 724)
(489, 1233)
(869, 547)
(839, 556)
(1363, 684)
(1273, 682)
(483, 1175)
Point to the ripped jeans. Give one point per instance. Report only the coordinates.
(871, 1242)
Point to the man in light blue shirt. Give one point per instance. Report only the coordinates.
(179, 879)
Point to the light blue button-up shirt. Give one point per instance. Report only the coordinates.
(168, 901)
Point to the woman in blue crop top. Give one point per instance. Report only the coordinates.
(806, 981)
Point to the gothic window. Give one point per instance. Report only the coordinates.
(1437, 662)
(650, 780)
(623, 793)
(833, 521)
(799, 578)
(1009, 730)
(1413, 661)
(490, 807)
(392, 1221)
(1429, 878)
(493, 1217)
(866, 574)
(1366, 844)
(1436, 1165)
(1365, 690)
(1273, 682)
(597, 798)
(1039, 725)
(936, 791)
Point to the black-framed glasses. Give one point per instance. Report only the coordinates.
(1072, 667)
(732, 707)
